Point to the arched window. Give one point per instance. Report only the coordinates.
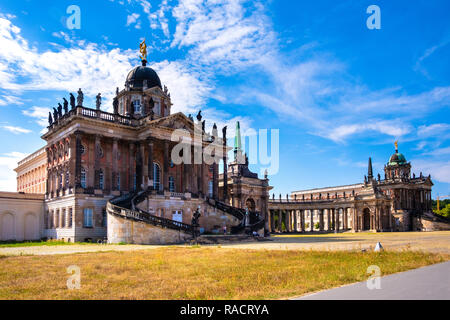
(83, 178)
(210, 188)
(61, 179)
(156, 176)
(100, 180)
(121, 110)
(171, 184)
(67, 178)
(82, 149)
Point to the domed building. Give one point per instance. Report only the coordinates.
(129, 176)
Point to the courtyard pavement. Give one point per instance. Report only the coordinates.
(427, 283)
(438, 242)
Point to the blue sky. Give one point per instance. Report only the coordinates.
(337, 91)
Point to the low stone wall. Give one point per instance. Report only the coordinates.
(428, 225)
(121, 230)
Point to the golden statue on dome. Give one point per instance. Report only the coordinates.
(143, 50)
(396, 145)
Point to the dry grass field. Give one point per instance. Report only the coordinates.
(196, 273)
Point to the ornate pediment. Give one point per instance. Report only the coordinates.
(176, 121)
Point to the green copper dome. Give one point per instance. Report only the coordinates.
(397, 159)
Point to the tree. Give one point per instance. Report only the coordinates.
(445, 212)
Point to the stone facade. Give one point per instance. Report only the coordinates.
(32, 173)
(92, 156)
(21, 216)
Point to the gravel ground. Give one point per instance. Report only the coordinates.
(438, 242)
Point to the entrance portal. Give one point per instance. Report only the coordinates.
(366, 219)
(250, 203)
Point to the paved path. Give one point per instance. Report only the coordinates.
(428, 283)
(69, 249)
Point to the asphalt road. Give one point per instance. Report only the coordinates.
(428, 283)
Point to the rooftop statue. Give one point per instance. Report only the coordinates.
(50, 119)
(66, 105)
(143, 50)
(98, 101)
(80, 97)
(59, 110)
(72, 101)
(199, 116)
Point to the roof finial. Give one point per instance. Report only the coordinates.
(396, 146)
(143, 51)
(370, 170)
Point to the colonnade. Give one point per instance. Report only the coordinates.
(311, 220)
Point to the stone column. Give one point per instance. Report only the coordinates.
(97, 162)
(115, 160)
(131, 166)
(280, 223)
(77, 159)
(288, 221)
(139, 162)
(321, 213)
(150, 164)
(302, 218)
(144, 182)
(311, 213)
(295, 221)
(166, 166)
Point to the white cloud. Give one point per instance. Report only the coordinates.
(39, 114)
(16, 130)
(391, 128)
(439, 170)
(8, 162)
(9, 99)
(92, 68)
(133, 19)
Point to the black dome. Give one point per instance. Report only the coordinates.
(136, 77)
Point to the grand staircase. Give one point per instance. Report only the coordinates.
(126, 207)
(256, 222)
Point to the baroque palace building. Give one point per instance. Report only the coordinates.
(399, 202)
(141, 174)
(113, 174)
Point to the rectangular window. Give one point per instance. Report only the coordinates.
(137, 106)
(87, 217)
(171, 184)
(210, 188)
(118, 181)
(100, 178)
(69, 222)
(63, 218)
(83, 178)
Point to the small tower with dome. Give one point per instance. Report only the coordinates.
(397, 167)
(143, 95)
